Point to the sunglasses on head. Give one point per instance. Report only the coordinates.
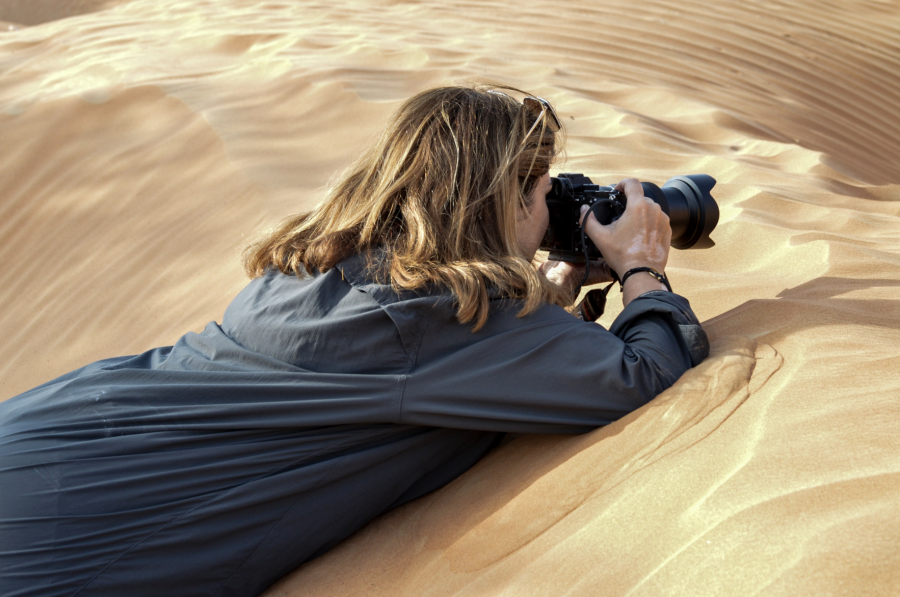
(540, 109)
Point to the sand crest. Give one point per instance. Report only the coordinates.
(144, 141)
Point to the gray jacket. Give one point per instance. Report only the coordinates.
(217, 465)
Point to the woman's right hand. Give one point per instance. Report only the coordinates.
(639, 238)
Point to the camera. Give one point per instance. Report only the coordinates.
(692, 211)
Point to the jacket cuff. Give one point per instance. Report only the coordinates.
(679, 309)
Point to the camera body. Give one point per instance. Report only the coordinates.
(692, 211)
(569, 192)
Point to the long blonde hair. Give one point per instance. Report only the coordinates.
(438, 195)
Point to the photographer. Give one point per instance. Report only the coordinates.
(387, 341)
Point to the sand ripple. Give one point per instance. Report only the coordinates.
(143, 142)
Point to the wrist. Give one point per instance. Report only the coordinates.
(633, 263)
(640, 284)
(659, 276)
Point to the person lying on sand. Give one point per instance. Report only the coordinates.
(387, 341)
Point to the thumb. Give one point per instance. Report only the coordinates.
(590, 224)
(582, 219)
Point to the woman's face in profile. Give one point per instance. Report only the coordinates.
(533, 225)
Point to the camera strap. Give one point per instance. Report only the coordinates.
(594, 303)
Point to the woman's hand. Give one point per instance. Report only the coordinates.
(569, 275)
(639, 238)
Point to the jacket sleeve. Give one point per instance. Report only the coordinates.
(549, 372)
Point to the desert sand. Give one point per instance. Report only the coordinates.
(144, 142)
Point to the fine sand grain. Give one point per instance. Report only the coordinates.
(143, 143)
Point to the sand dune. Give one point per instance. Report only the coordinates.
(144, 141)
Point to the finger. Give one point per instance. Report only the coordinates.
(631, 187)
(588, 218)
(592, 226)
(635, 196)
(585, 213)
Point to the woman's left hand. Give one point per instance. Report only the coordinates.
(570, 275)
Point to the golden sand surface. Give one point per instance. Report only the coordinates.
(143, 142)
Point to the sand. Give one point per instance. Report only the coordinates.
(143, 142)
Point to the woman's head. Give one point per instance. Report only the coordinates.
(440, 195)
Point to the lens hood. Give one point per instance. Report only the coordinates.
(693, 213)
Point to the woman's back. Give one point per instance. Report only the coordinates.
(211, 465)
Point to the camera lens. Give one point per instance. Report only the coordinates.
(693, 213)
